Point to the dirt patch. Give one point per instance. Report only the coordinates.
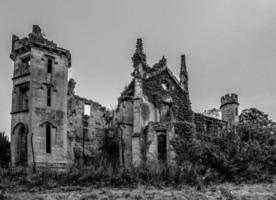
(218, 192)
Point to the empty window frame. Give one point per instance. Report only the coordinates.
(49, 94)
(162, 147)
(22, 97)
(87, 109)
(48, 138)
(165, 114)
(49, 65)
(26, 61)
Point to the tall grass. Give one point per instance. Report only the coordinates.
(99, 176)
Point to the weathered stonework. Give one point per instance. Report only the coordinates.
(52, 128)
(209, 125)
(31, 111)
(152, 110)
(153, 101)
(85, 131)
(47, 118)
(230, 108)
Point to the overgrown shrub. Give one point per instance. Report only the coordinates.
(246, 152)
(4, 150)
(110, 147)
(240, 154)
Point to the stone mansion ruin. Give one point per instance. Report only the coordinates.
(49, 125)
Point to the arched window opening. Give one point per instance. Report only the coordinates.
(48, 138)
(21, 147)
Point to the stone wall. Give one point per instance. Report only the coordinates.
(230, 108)
(208, 125)
(124, 118)
(85, 132)
(55, 114)
(38, 112)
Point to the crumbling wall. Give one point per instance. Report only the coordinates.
(85, 132)
(153, 90)
(124, 118)
(208, 125)
(172, 106)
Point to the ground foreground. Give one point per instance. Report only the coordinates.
(218, 192)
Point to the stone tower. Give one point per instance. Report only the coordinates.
(230, 109)
(39, 101)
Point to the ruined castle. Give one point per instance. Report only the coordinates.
(51, 126)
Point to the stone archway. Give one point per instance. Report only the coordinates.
(21, 144)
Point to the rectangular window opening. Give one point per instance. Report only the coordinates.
(48, 138)
(87, 109)
(22, 97)
(26, 61)
(208, 127)
(49, 65)
(48, 96)
(162, 147)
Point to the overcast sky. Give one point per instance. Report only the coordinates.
(230, 45)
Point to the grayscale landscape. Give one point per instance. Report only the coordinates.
(138, 100)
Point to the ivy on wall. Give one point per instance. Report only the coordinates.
(156, 94)
(183, 115)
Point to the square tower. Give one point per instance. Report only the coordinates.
(39, 101)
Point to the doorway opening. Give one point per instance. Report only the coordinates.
(162, 148)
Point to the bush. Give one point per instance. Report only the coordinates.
(243, 153)
(4, 150)
(246, 153)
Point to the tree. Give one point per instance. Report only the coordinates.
(4, 150)
(254, 125)
(257, 118)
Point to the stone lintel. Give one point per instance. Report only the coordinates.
(19, 111)
(20, 76)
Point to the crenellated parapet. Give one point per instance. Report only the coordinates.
(36, 39)
(229, 99)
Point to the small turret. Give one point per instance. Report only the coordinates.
(139, 60)
(183, 74)
(139, 46)
(37, 30)
(183, 64)
(139, 56)
(230, 108)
